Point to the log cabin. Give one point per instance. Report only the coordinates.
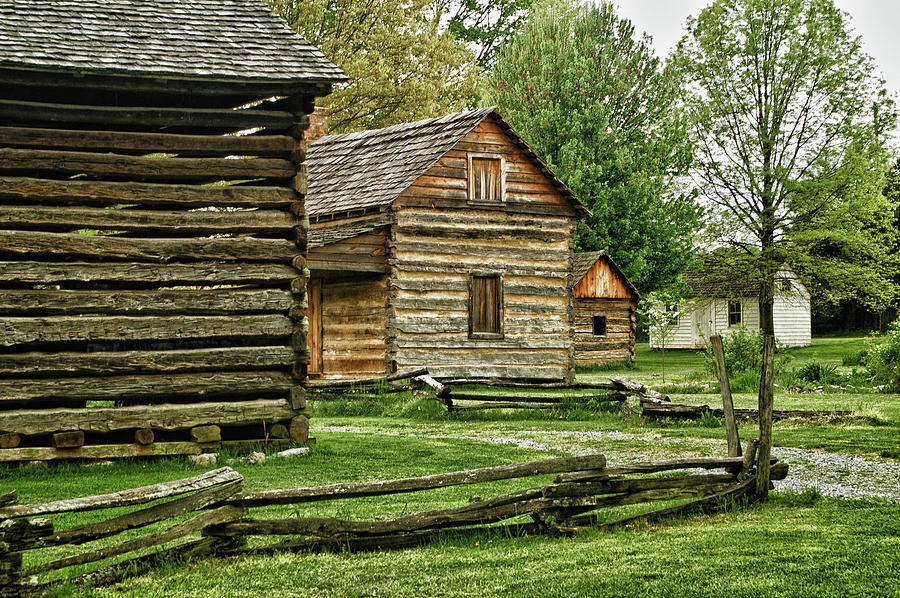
(444, 243)
(605, 303)
(152, 287)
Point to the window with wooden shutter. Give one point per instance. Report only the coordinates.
(485, 179)
(486, 306)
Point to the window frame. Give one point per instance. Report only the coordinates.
(485, 334)
(470, 179)
(601, 320)
(739, 312)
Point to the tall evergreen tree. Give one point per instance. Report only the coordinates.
(595, 103)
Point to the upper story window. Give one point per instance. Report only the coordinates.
(734, 313)
(486, 178)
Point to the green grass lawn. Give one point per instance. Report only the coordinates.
(794, 545)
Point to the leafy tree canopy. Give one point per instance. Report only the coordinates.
(790, 125)
(594, 102)
(486, 24)
(401, 65)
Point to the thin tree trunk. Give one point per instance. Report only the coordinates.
(767, 370)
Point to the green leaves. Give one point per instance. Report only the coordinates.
(594, 102)
(402, 66)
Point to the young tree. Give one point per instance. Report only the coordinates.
(401, 65)
(661, 310)
(594, 102)
(787, 118)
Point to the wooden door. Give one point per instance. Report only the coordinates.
(314, 336)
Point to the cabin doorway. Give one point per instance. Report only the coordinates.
(314, 336)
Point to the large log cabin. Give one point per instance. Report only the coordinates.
(605, 303)
(444, 243)
(144, 272)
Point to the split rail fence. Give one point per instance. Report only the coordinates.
(216, 509)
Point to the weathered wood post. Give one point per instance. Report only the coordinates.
(765, 419)
(731, 431)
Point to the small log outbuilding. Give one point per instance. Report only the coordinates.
(152, 286)
(605, 303)
(444, 243)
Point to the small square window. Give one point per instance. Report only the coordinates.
(734, 313)
(485, 179)
(599, 325)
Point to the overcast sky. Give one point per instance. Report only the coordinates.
(876, 21)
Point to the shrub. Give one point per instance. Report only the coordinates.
(821, 373)
(743, 353)
(883, 358)
(854, 358)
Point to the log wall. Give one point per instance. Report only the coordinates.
(439, 239)
(354, 343)
(152, 271)
(618, 342)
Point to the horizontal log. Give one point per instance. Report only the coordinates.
(175, 508)
(472, 476)
(13, 111)
(157, 302)
(156, 387)
(121, 141)
(191, 526)
(125, 498)
(164, 223)
(325, 527)
(557, 399)
(25, 190)
(165, 416)
(546, 385)
(145, 362)
(31, 244)
(496, 405)
(52, 329)
(634, 485)
(325, 385)
(653, 467)
(706, 504)
(141, 168)
(197, 273)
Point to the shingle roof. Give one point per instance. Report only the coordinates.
(733, 279)
(582, 262)
(368, 169)
(202, 39)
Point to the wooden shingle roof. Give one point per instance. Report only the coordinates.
(226, 40)
(369, 169)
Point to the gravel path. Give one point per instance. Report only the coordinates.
(835, 475)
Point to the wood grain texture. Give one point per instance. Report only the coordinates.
(165, 416)
(29, 190)
(197, 386)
